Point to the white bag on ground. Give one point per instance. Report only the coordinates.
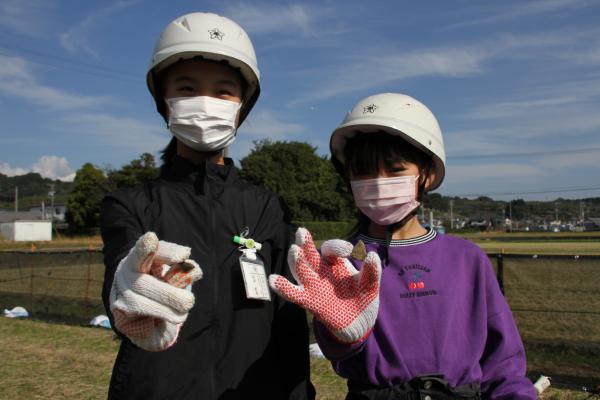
(16, 312)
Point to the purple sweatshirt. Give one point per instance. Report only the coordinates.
(440, 311)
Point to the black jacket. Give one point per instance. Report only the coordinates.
(230, 347)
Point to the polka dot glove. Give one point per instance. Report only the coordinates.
(345, 300)
(149, 297)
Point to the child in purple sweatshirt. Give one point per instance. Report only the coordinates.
(403, 312)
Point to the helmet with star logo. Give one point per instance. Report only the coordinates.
(211, 37)
(398, 115)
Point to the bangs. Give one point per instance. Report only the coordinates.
(365, 153)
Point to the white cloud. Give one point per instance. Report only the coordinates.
(24, 16)
(77, 37)
(510, 109)
(361, 72)
(17, 80)
(371, 67)
(537, 117)
(54, 167)
(51, 167)
(523, 10)
(73, 40)
(7, 170)
(272, 17)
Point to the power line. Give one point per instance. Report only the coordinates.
(71, 64)
(80, 70)
(63, 59)
(544, 191)
(528, 154)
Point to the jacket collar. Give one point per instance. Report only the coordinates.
(182, 169)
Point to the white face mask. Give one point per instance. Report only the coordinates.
(203, 123)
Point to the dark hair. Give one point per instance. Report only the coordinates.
(159, 93)
(366, 152)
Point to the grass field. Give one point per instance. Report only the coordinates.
(42, 360)
(545, 247)
(78, 242)
(573, 243)
(516, 242)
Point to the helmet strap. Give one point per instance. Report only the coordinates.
(390, 229)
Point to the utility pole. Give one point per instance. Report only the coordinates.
(16, 199)
(556, 211)
(451, 214)
(510, 214)
(51, 193)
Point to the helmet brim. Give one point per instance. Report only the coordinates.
(340, 136)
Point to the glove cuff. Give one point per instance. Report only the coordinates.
(161, 338)
(360, 329)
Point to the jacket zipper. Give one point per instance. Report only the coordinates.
(215, 288)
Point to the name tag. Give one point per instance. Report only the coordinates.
(255, 278)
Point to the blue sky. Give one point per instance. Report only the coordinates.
(515, 84)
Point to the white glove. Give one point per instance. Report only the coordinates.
(147, 297)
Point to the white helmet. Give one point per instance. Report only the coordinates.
(399, 115)
(214, 38)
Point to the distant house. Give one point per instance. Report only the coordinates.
(592, 224)
(24, 226)
(482, 225)
(58, 214)
(11, 216)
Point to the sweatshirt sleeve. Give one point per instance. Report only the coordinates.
(290, 328)
(503, 362)
(333, 349)
(120, 230)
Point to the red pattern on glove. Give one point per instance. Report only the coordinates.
(342, 298)
(142, 326)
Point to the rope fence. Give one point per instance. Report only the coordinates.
(63, 285)
(555, 300)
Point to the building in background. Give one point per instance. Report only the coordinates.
(24, 226)
(57, 216)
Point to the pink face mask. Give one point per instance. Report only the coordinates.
(386, 200)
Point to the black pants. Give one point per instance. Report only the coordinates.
(431, 387)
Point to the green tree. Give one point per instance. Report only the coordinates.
(134, 173)
(33, 189)
(517, 209)
(83, 204)
(308, 183)
(436, 201)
